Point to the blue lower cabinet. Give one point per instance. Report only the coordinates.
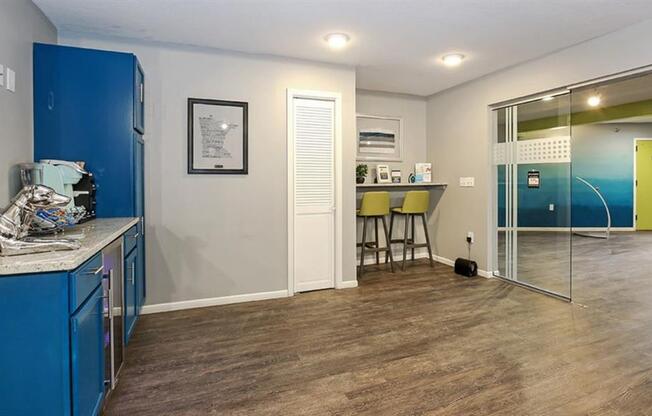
(35, 345)
(52, 332)
(130, 293)
(87, 356)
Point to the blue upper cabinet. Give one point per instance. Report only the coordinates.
(87, 104)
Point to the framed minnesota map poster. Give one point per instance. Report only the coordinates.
(217, 137)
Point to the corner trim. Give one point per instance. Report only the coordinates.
(347, 284)
(202, 303)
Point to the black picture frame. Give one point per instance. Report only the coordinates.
(191, 135)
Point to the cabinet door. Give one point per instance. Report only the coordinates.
(139, 198)
(139, 98)
(139, 209)
(87, 356)
(130, 295)
(140, 274)
(139, 176)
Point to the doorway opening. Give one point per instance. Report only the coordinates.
(643, 184)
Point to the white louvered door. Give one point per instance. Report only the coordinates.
(314, 194)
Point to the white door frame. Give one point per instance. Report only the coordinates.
(335, 97)
(636, 140)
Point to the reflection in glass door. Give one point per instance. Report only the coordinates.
(532, 159)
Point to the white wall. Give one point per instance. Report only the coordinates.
(459, 127)
(220, 235)
(21, 24)
(413, 111)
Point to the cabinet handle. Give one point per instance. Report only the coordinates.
(133, 274)
(142, 92)
(97, 271)
(136, 235)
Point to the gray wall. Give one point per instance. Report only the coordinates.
(459, 127)
(21, 24)
(220, 235)
(413, 111)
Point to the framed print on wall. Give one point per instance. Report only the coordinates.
(379, 138)
(217, 137)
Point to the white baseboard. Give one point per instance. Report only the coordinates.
(421, 255)
(449, 262)
(347, 284)
(250, 297)
(444, 260)
(228, 300)
(223, 300)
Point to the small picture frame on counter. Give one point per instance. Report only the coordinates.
(383, 174)
(423, 172)
(396, 176)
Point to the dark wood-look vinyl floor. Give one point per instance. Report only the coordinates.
(420, 342)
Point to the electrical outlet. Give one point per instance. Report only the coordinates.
(11, 80)
(470, 237)
(467, 182)
(2, 76)
(551, 207)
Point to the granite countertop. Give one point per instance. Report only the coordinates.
(97, 234)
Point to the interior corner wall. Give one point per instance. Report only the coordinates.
(21, 24)
(459, 128)
(412, 109)
(211, 236)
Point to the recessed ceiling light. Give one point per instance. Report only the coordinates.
(548, 98)
(594, 100)
(452, 59)
(337, 40)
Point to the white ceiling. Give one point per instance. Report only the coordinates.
(395, 43)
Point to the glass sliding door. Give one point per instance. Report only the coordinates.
(500, 193)
(532, 160)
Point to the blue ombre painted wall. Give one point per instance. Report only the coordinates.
(603, 155)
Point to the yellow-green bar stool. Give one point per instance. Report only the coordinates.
(375, 205)
(415, 204)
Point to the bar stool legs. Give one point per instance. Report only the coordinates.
(374, 246)
(425, 230)
(409, 237)
(388, 244)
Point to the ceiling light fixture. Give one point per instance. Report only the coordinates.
(594, 100)
(337, 40)
(452, 59)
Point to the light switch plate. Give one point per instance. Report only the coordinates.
(2, 75)
(11, 80)
(467, 182)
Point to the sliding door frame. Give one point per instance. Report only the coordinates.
(511, 196)
(492, 249)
